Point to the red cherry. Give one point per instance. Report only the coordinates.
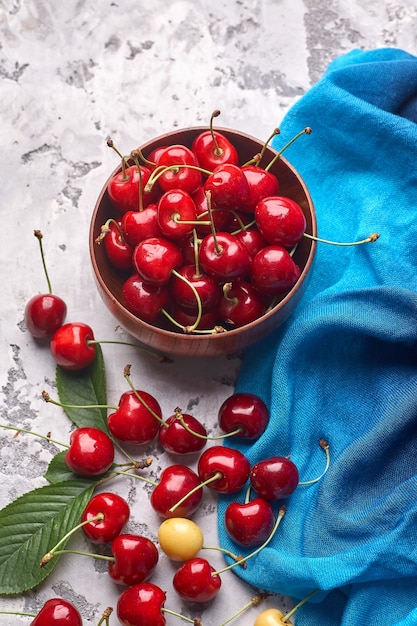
(91, 452)
(224, 257)
(143, 299)
(140, 225)
(44, 314)
(207, 288)
(155, 258)
(176, 439)
(123, 189)
(261, 184)
(221, 217)
(57, 612)
(141, 605)
(207, 321)
(137, 419)
(280, 220)
(196, 581)
(273, 271)
(136, 558)
(231, 465)
(176, 214)
(244, 411)
(116, 513)
(185, 178)
(211, 152)
(240, 304)
(176, 481)
(71, 346)
(228, 187)
(252, 239)
(118, 251)
(250, 523)
(274, 478)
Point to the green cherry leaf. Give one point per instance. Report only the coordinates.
(33, 524)
(86, 387)
(58, 472)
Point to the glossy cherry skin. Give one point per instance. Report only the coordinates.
(176, 439)
(273, 271)
(155, 258)
(245, 411)
(274, 478)
(176, 481)
(140, 225)
(271, 617)
(141, 605)
(116, 513)
(261, 184)
(118, 251)
(224, 257)
(44, 314)
(123, 189)
(176, 214)
(252, 239)
(207, 321)
(143, 299)
(194, 581)
(233, 466)
(70, 346)
(208, 289)
(221, 217)
(228, 187)
(91, 452)
(209, 154)
(250, 523)
(57, 612)
(137, 419)
(280, 220)
(185, 178)
(240, 304)
(136, 558)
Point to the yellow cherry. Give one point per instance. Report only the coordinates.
(271, 617)
(180, 538)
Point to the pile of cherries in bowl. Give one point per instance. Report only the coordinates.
(197, 240)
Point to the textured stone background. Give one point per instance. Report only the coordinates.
(73, 73)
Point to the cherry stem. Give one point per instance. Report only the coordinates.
(105, 230)
(119, 154)
(138, 476)
(236, 557)
(18, 613)
(50, 555)
(196, 255)
(370, 239)
(258, 157)
(297, 606)
(29, 432)
(162, 169)
(212, 225)
(39, 237)
(210, 480)
(161, 358)
(305, 131)
(126, 374)
(183, 617)
(180, 418)
(47, 398)
(134, 155)
(217, 150)
(255, 601)
(324, 446)
(105, 617)
(190, 329)
(281, 513)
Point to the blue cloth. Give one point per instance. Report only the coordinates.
(344, 366)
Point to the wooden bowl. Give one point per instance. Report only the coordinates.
(110, 280)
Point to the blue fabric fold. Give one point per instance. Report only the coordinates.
(344, 367)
